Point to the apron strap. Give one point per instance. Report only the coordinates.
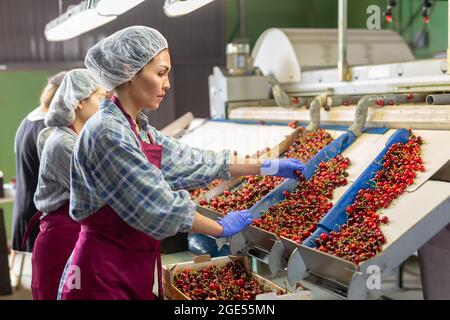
(159, 267)
(30, 227)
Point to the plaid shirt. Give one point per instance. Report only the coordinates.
(53, 186)
(108, 167)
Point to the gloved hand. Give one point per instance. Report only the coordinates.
(234, 222)
(285, 168)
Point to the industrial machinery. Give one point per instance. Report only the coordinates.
(372, 93)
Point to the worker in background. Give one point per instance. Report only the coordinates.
(434, 261)
(27, 166)
(124, 173)
(76, 100)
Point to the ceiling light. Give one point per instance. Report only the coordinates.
(76, 20)
(116, 7)
(174, 8)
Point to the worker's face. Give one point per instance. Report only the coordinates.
(89, 106)
(149, 86)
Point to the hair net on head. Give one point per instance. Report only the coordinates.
(57, 78)
(117, 58)
(76, 86)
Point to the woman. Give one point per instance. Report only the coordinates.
(74, 103)
(124, 173)
(27, 166)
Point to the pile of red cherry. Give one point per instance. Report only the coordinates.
(307, 144)
(253, 188)
(362, 237)
(230, 282)
(296, 217)
(195, 194)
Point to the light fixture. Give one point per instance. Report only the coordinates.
(426, 11)
(115, 7)
(175, 8)
(388, 13)
(76, 20)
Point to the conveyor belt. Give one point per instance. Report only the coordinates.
(420, 116)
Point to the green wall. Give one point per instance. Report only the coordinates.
(19, 94)
(263, 14)
(437, 27)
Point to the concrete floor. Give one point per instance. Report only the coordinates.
(411, 283)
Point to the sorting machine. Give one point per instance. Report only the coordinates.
(376, 91)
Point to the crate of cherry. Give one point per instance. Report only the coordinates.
(217, 187)
(222, 278)
(245, 192)
(291, 211)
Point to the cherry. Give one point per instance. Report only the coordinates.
(293, 124)
(298, 173)
(296, 217)
(195, 194)
(324, 237)
(213, 286)
(380, 102)
(231, 282)
(361, 237)
(253, 188)
(384, 220)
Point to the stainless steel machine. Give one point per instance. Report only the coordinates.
(292, 77)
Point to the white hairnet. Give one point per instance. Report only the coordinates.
(57, 78)
(76, 86)
(117, 58)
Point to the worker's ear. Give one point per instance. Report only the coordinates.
(81, 105)
(136, 76)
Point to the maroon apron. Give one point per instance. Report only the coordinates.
(57, 236)
(116, 261)
(53, 246)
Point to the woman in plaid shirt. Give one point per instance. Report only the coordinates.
(124, 176)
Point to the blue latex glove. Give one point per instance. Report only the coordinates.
(234, 222)
(282, 167)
